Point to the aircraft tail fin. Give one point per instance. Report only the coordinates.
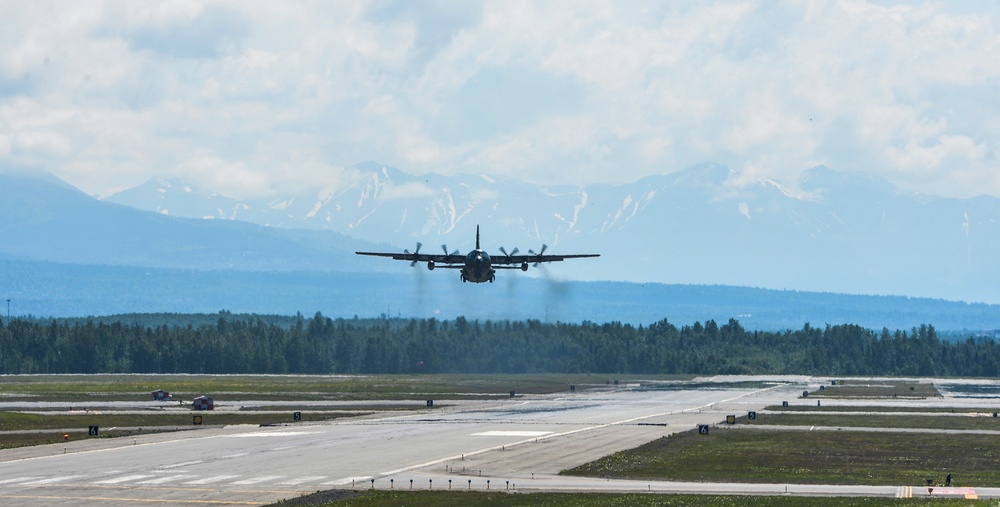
(477, 237)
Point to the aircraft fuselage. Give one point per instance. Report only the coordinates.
(478, 267)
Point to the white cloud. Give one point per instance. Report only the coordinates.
(265, 95)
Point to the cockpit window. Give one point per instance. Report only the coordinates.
(477, 255)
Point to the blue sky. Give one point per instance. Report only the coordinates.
(258, 98)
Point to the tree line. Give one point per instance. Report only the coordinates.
(321, 345)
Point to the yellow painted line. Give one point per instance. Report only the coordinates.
(972, 496)
(128, 500)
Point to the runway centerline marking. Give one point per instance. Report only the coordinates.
(500, 433)
(126, 478)
(209, 480)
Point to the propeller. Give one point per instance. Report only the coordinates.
(509, 255)
(445, 249)
(539, 254)
(414, 254)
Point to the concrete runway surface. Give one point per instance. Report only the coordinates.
(520, 443)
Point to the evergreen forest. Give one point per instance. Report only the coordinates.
(321, 345)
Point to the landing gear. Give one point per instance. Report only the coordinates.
(462, 275)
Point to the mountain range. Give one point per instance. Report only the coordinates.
(708, 224)
(686, 246)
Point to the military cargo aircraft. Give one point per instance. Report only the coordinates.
(477, 266)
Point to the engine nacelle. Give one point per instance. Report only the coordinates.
(524, 266)
(430, 265)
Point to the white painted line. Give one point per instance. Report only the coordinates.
(257, 480)
(511, 433)
(271, 434)
(300, 480)
(53, 480)
(125, 478)
(19, 479)
(209, 480)
(186, 463)
(169, 478)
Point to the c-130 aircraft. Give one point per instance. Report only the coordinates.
(477, 266)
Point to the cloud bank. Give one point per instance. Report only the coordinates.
(254, 98)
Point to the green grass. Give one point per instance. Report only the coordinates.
(940, 422)
(877, 388)
(841, 408)
(807, 457)
(50, 428)
(481, 499)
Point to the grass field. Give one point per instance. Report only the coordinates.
(79, 388)
(877, 388)
(970, 421)
(807, 457)
(51, 428)
(829, 407)
(479, 499)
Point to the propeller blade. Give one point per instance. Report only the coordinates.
(540, 253)
(415, 254)
(508, 255)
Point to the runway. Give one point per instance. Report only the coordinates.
(520, 443)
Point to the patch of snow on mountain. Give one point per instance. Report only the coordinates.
(281, 205)
(799, 195)
(315, 209)
(576, 211)
(618, 214)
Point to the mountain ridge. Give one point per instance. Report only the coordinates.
(707, 225)
(830, 231)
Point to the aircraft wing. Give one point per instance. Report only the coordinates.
(537, 258)
(418, 257)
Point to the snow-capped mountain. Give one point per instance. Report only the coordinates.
(708, 224)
